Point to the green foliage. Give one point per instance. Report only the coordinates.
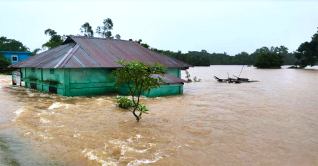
(307, 53)
(105, 30)
(86, 30)
(203, 58)
(269, 60)
(137, 77)
(117, 36)
(4, 63)
(54, 41)
(35, 51)
(124, 102)
(9, 45)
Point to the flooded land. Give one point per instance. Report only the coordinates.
(271, 122)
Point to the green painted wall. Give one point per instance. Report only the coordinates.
(89, 81)
(165, 90)
(174, 72)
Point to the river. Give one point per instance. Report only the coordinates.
(270, 122)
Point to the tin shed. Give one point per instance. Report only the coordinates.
(80, 66)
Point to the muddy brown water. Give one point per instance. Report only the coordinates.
(271, 122)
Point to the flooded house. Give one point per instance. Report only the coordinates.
(80, 66)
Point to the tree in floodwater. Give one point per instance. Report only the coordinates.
(269, 60)
(307, 53)
(137, 76)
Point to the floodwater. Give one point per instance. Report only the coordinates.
(271, 122)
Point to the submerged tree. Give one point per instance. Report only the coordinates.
(269, 60)
(139, 78)
(307, 53)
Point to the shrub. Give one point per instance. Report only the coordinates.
(124, 102)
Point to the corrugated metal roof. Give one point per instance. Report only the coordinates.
(169, 78)
(47, 59)
(90, 52)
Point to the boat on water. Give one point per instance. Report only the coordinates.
(236, 80)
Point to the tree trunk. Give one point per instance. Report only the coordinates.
(137, 117)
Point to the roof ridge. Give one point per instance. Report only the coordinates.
(67, 56)
(101, 38)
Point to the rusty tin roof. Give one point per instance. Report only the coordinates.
(90, 52)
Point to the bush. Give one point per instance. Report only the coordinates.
(124, 102)
(4, 63)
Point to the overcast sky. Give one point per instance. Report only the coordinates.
(216, 26)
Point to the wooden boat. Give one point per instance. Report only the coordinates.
(236, 80)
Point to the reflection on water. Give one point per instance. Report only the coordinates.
(271, 122)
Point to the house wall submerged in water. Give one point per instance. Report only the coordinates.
(80, 66)
(88, 81)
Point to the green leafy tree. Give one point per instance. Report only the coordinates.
(35, 51)
(137, 76)
(55, 39)
(4, 62)
(86, 30)
(307, 52)
(9, 45)
(269, 60)
(105, 30)
(117, 36)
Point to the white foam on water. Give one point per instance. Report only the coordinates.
(129, 139)
(76, 135)
(42, 120)
(91, 156)
(58, 105)
(44, 136)
(17, 113)
(144, 161)
(45, 95)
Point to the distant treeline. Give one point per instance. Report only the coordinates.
(204, 58)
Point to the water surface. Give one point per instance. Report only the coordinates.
(271, 122)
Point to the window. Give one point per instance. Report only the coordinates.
(52, 71)
(33, 85)
(53, 89)
(14, 58)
